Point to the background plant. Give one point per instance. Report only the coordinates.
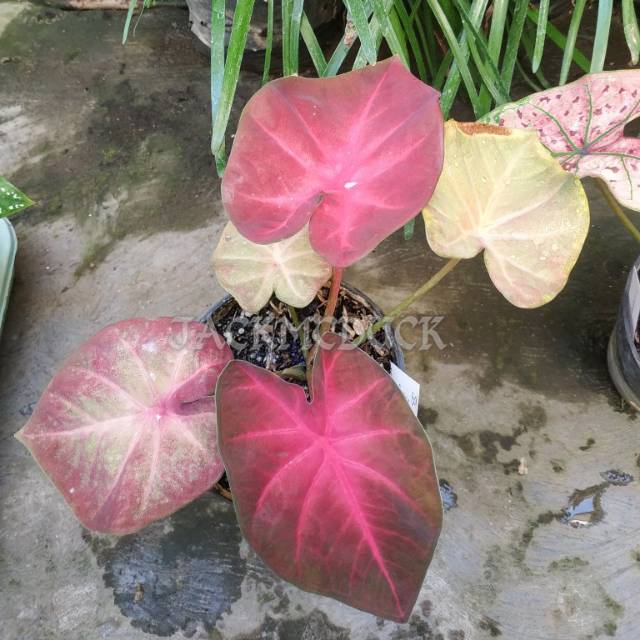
(469, 48)
(474, 48)
(12, 200)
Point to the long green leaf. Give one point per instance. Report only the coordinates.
(496, 38)
(572, 34)
(601, 40)
(541, 35)
(560, 40)
(487, 68)
(376, 29)
(313, 46)
(444, 73)
(460, 54)
(390, 32)
(528, 42)
(294, 36)
(359, 16)
(407, 25)
(429, 25)
(426, 44)
(395, 25)
(286, 9)
(216, 44)
(12, 199)
(631, 31)
(235, 51)
(127, 22)
(342, 49)
(269, 45)
(513, 41)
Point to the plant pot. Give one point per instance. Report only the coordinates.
(623, 358)
(319, 12)
(219, 315)
(8, 245)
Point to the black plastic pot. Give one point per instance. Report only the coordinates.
(395, 351)
(623, 358)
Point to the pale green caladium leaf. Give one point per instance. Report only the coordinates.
(502, 191)
(582, 123)
(252, 272)
(12, 200)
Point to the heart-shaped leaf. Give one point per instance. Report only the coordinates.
(582, 123)
(252, 272)
(126, 430)
(503, 192)
(338, 496)
(356, 156)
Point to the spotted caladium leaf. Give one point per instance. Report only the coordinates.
(126, 430)
(12, 200)
(355, 156)
(339, 495)
(252, 272)
(582, 123)
(503, 192)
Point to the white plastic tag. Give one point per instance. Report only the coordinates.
(634, 298)
(408, 386)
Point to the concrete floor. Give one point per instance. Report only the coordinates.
(113, 144)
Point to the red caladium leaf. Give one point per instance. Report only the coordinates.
(339, 495)
(582, 123)
(126, 430)
(356, 156)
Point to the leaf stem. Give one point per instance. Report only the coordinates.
(296, 373)
(407, 302)
(293, 313)
(332, 302)
(617, 209)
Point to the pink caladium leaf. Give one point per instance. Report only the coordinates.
(582, 124)
(338, 495)
(356, 156)
(126, 430)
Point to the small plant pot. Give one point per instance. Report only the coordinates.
(384, 347)
(227, 318)
(8, 246)
(623, 358)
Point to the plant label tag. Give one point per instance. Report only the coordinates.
(408, 386)
(634, 299)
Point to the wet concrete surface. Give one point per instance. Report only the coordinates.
(538, 455)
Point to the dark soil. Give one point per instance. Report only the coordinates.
(275, 341)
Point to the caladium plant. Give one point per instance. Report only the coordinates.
(334, 488)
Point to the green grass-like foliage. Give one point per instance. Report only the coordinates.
(468, 47)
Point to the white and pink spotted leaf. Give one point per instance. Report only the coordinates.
(582, 124)
(126, 430)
